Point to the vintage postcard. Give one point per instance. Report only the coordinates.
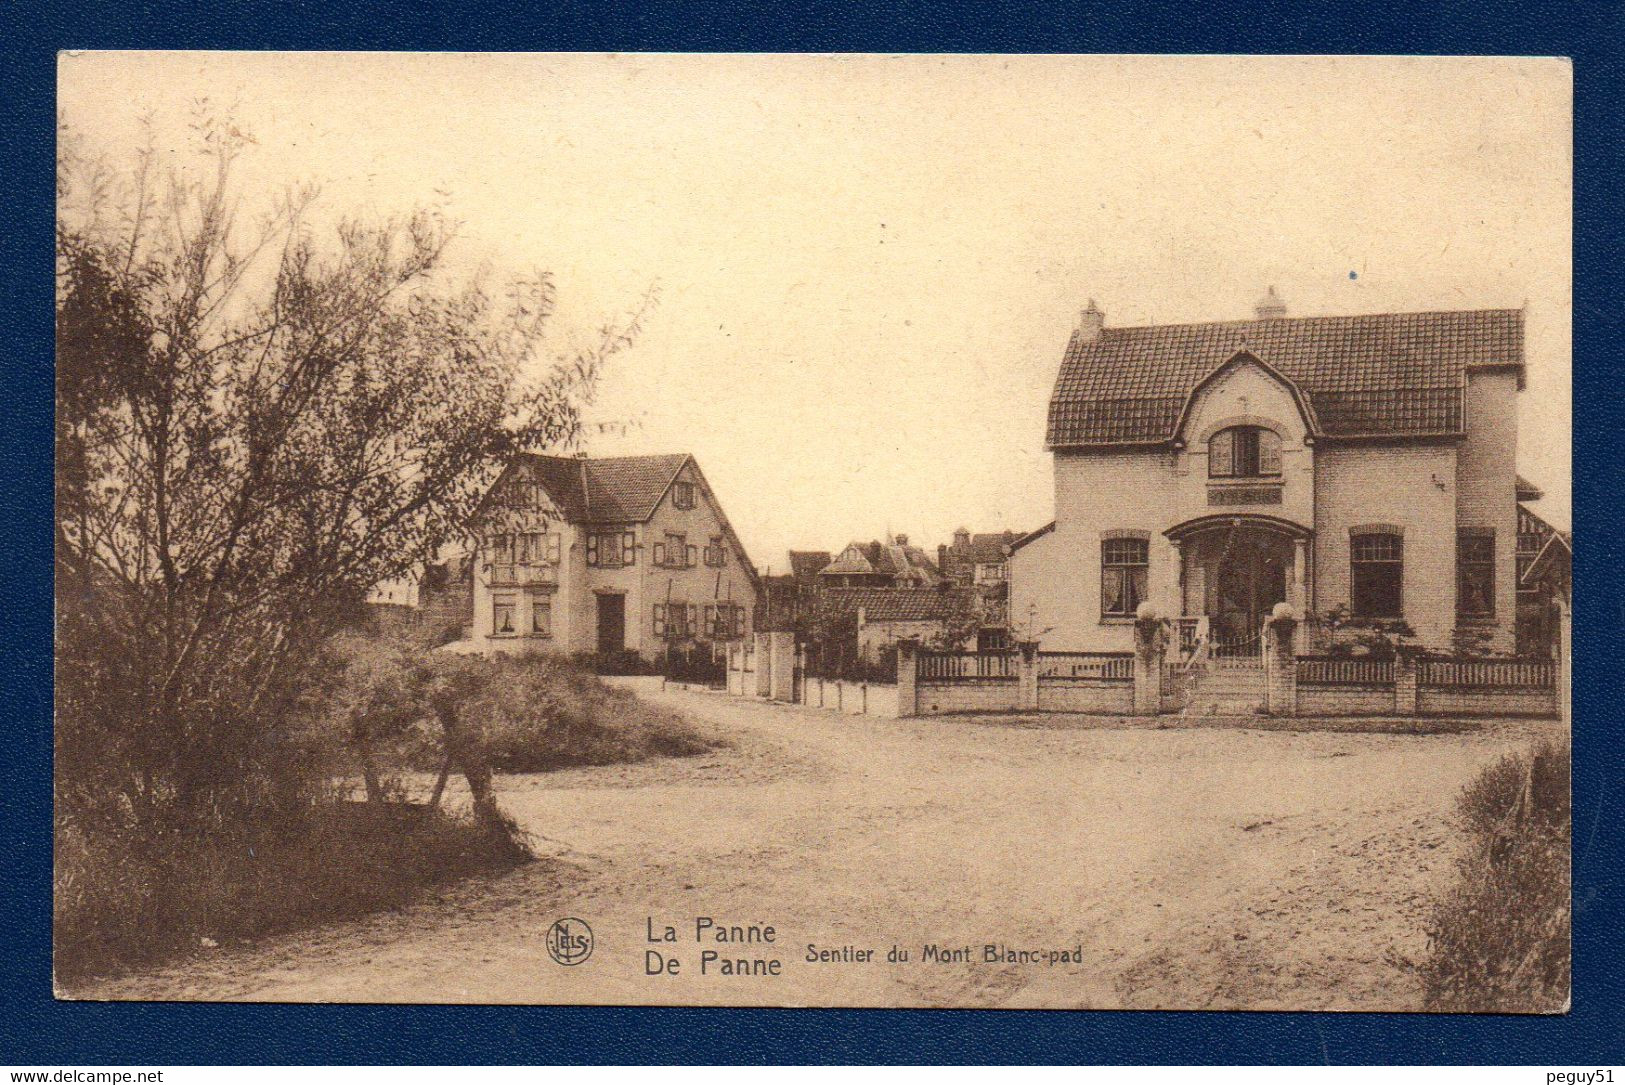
(798, 530)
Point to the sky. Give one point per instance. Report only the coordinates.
(868, 266)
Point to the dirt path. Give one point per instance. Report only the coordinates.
(1172, 868)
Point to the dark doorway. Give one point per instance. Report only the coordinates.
(1252, 579)
(611, 624)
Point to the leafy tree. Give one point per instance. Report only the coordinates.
(256, 422)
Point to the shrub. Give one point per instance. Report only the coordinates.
(129, 897)
(537, 714)
(1499, 940)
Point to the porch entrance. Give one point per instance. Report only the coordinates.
(1233, 573)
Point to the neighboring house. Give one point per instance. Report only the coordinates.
(893, 564)
(982, 562)
(885, 616)
(785, 595)
(608, 555)
(437, 598)
(1545, 564)
(1215, 470)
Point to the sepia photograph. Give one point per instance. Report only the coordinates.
(814, 530)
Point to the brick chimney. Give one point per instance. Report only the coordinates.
(1090, 323)
(1270, 306)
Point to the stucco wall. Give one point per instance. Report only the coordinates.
(1244, 395)
(700, 585)
(642, 584)
(1056, 578)
(1085, 695)
(874, 636)
(851, 698)
(969, 695)
(1486, 477)
(1409, 487)
(1486, 702)
(1345, 700)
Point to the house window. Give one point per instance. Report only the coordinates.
(675, 553)
(537, 547)
(1475, 574)
(1244, 452)
(501, 549)
(541, 616)
(1376, 574)
(502, 607)
(612, 549)
(716, 555)
(676, 620)
(682, 495)
(1124, 564)
(724, 620)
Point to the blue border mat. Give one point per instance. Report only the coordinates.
(35, 1029)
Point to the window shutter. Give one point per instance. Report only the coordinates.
(1220, 454)
(693, 619)
(710, 620)
(629, 548)
(592, 549)
(660, 620)
(690, 556)
(553, 547)
(660, 553)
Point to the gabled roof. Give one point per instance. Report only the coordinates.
(1387, 374)
(1528, 491)
(611, 490)
(616, 490)
(881, 559)
(1556, 556)
(904, 604)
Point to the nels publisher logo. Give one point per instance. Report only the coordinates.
(569, 941)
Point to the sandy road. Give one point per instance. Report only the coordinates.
(1178, 868)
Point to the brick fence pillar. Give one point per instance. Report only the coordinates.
(1150, 647)
(1027, 681)
(908, 666)
(1280, 668)
(764, 665)
(1405, 695)
(782, 643)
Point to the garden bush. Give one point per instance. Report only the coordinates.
(1499, 940)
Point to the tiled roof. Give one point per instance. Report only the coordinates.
(989, 548)
(1528, 491)
(904, 604)
(882, 559)
(612, 490)
(807, 562)
(1384, 374)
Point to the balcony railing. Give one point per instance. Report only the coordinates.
(521, 573)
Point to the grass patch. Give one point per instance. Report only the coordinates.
(127, 898)
(1499, 940)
